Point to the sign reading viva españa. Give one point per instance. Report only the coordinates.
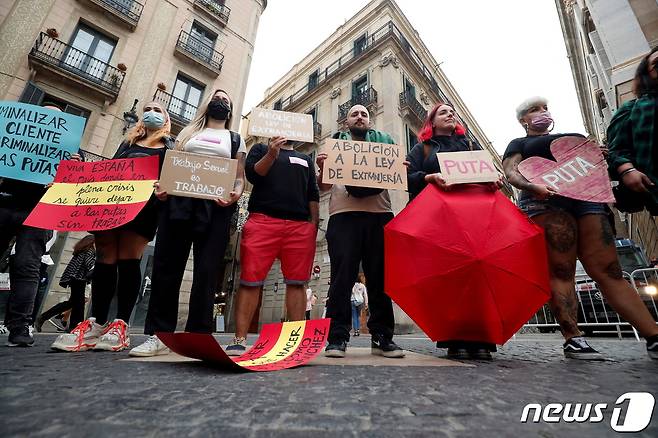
(279, 346)
(95, 196)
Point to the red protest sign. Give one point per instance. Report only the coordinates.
(95, 196)
(279, 346)
(580, 171)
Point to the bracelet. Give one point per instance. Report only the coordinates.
(629, 170)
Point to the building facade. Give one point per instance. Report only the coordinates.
(378, 60)
(104, 59)
(605, 40)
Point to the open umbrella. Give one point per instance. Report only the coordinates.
(466, 264)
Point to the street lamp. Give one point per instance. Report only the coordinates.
(130, 117)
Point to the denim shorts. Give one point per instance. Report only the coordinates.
(534, 207)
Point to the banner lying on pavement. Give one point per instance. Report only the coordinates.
(279, 346)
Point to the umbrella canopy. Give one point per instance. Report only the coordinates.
(466, 264)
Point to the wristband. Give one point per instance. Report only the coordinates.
(629, 170)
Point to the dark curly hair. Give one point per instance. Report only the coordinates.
(643, 83)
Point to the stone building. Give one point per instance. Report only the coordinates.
(605, 40)
(96, 58)
(376, 59)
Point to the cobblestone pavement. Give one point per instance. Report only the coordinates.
(91, 394)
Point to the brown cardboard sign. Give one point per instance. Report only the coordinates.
(197, 175)
(467, 167)
(365, 164)
(271, 123)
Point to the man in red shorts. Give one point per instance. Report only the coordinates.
(283, 223)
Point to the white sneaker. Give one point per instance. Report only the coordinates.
(83, 337)
(152, 347)
(115, 337)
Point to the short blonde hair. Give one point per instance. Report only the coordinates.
(525, 106)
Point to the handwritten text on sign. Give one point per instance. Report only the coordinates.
(198, 176)
(365, 164)
(95, 196)
(270, 123)
(33, 140)
(580, 171)
(467, 167)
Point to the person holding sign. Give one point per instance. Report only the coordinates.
(283, 222)
(442, 133)
(185, 222)
(355, 235)
(119, 250)
(573, 228)
(17, 199)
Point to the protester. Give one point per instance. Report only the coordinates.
(442, 133)
(76, 276)
(573, 229)
(311, 299)
(201, 223)
(119, 250)
(633, 142)
(359, 302)
(17, 199)
(355, 234)
(283, 223)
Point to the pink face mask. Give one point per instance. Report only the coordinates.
(541, 122)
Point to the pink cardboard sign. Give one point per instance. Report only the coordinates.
(580, 171)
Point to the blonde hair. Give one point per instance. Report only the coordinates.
(138, 132)
(525, 106)
(200, 120)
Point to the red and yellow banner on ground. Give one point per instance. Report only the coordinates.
(279, 346)
(95, 196)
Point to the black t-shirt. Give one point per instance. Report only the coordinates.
(288, 187)
(534, 146)
(127, 150)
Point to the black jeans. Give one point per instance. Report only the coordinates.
(25, 264)
(354, 238)
(76, 303)
(172, 249)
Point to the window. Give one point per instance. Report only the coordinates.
(360, 87)
(187, 95)
(409, 88)
(202, 41)
(360, 45)
(91, 51)
(36, 96)
(412, 140)
(313, 80)
(277, 105)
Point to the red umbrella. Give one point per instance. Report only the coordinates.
(466, 264)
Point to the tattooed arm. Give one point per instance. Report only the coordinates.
(511, 168)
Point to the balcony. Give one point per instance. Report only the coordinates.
(57, 57)
(216, 9)
(179, 111)
(367, 98)
(201, 53)
(411, 108)
(128, 12)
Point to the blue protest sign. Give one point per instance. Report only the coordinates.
(33, 140)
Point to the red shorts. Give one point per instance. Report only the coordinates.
(265, 239)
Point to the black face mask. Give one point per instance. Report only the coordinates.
(218, 110)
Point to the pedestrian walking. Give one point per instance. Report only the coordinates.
(119, 250)
(355, 235)
(311, 299)
(200, 225)
(359, 302)
(77, 274)
(283, 223)
(442, 133)
(573, 228)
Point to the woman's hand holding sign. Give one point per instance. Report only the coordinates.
(161, 195)
(437, 179)
(541, 191)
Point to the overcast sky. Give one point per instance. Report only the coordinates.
(495, 53)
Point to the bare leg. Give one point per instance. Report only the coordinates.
(295, 302)
(561, 237)
(245, 307)
(596, 249)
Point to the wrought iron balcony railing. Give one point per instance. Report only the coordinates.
(67, 60)
(216, 8)
(180, 111)
(128, 11)
(388, 30)
(408, 102)
(200, 51)
(367, 98)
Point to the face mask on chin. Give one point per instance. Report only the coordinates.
(218, 110)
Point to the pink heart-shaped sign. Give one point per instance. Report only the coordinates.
(580, 171)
